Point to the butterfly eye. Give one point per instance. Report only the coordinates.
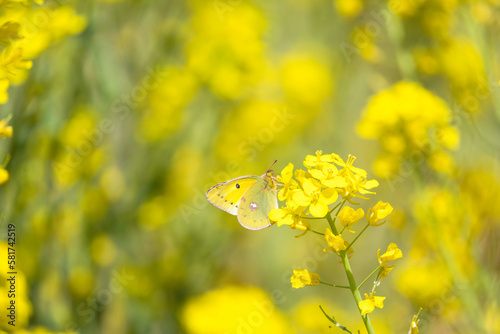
(237, 186)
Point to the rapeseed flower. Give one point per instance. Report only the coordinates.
(371, 301)
(335, 242)
(302, 278)
(348, 217)
(380, 211)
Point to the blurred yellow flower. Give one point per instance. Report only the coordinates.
(5, 130)
(4, 175)
(370, 302)
(13, 64)
(349, 8)
(81, 281)
(233, 309)
(306, 80)
(25, 31)
(152, 214)
(461, 63)
(166, 98)
(4, 85)
(227, 56)
(103, 250)
(408, 121)
(349, 217)
(302, 278)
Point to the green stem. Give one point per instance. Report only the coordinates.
(366, 279)
(334, 321)
(352, 282)
(352, 243)
(335, 286)
(313, 231)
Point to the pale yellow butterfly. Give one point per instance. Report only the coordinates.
(251, 198)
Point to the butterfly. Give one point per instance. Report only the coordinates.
(250, 197)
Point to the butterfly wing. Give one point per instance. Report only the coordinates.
(256, 204)
(227, 195)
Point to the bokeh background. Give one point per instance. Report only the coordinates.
(124, 113)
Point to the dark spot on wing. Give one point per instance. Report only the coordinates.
(231, 203)
(237, 186)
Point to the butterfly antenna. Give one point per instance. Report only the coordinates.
(269, 169)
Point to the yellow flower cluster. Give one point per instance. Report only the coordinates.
(25, 31)
(449, 225)
(312, 191)
(458, 60)
(412, 125)
(227, 56)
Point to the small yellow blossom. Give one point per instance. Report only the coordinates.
(370, 302)
(328, 176)
(335, 242)
(316, 198)
(349, 217)
(385, 271)
(288, 183)
(318, 161)
(377, 213)
(289, 216)
(393, 253)
(302, 277)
